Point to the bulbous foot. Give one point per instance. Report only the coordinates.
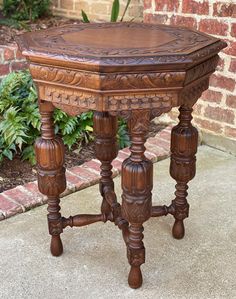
(56, 246)
(178, 230)
(135, 279)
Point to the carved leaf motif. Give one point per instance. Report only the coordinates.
(109, 81)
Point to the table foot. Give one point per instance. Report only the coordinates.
(135, 279)
(178, 230)
(56, 247)
(136, 255)
(184, 141)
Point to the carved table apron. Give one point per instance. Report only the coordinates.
(133, 70)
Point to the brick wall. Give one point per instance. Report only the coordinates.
(215, 112)
(10, 60)
(96, 10)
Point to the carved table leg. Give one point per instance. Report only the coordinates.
(184, 140)
(105, 128)
(137, 182)
(51, 174)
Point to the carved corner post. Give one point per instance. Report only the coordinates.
(51, 173)
(184, 141)
(137, 183)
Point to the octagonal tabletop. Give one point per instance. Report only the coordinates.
(119, 46)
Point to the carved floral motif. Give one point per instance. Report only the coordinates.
(109, 81)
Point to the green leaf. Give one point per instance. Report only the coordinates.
(125, 10)
(84, 17)
(89, 128)
(29, 154)
(8, 153)
(122, 134)
(115, 10)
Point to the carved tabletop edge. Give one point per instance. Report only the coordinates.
(125, 63)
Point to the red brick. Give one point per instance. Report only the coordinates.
(19, 55)
(71, 178)
(224, 9)
(212, 96)
(221, 65)
(4, 69)
(231, 49)
(21, 197)
(169, 128)
(233, 30)
(122, 155)
(213, 27)
(32, 187)
(9, 208)
(151, 156)
(208, 125)
(155, 19)
(163, 144)
(183, 21)
(126, 150)
(77, 181)
(232, 67)
(147, 4)
(93, 165)
(231, 101)
(157, 150)
(166, 5)
(222, 82)
(195, 7)
(230, 132)
(163, 134)
(197, 108)
(219, 114)
(9, 54)
(16, 65)
(85, 173)
(117, 164)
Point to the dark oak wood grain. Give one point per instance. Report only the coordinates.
(132, 70)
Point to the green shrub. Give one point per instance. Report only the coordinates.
(22, 10)
(20, 120)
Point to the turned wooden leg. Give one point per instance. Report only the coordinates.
(51, 174)
(137, 182)
(184, 141)
(106, 149)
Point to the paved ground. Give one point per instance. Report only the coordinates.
(94, 265)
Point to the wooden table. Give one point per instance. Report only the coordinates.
(133, 70)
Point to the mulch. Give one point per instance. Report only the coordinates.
(17, 172)
(7, 34)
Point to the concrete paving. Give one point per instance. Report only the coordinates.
(94, 265)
